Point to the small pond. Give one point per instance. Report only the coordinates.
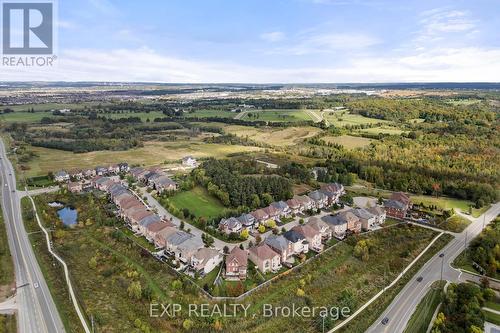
(68, 216)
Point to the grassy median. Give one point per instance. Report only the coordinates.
(421, 318)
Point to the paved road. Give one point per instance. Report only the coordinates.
(402, 307)
(36, 309)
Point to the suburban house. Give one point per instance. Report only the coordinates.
(123, 167)
(175, 239)
(205, 260)
(160, 239)
(280, 245)
(320, 226)
(260, 216)
(114, 168)
(397, 205)
(353, 222)
(154, 228)
(137, 216)
(320, 200)
(305, 202)
(101, 171)
(334, 191)
(337, 224)
(247, 221)
(283, 209)
(138, 172)
(61, 176)
(230, 225)
(186, 249)
(236, 264)
(163, 183)
(368, 220)
(76, 174)
(88, 173)
(298, 241)
(379, 213)
(272, 212)
(312, 236)
(189, 161)
(75, 187)
(141, 227)
(294, 205)
(265, 258)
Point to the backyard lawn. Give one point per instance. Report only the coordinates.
(198, 201)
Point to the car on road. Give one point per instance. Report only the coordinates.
(441, 255)
(35, 284)
(419, 279)
(385, 321)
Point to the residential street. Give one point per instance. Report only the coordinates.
(402, 307)
(36, 309)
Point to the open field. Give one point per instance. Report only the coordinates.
(203, 113)
(198, 201)
(153, 153)
(348, 141)
(51, 106)
(337, 119)
(383, 130)
(422, 316)
(274, 136)
(24, 117)
(277, 115)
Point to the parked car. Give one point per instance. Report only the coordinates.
(441, 255)
(385, 321)
(419, 279)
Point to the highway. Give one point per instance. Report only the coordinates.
(36, 308)
(405, 303)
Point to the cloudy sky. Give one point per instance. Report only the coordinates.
(271, 41)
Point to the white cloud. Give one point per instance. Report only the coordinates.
(438, 24)
(274, 36)
(442, 64)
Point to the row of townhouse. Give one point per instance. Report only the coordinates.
(167, 238)
(278, 250)
(154, 178)
(355, 220)
(79, 174)
(326, 196)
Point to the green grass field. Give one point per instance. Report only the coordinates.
(51, 106)
(422, 316)
(143, 115)
(203, 113)
(348, 141)
(337, 119)
(24, 117)
(278, 115)
(198, 201)
(456, 223)
(8, 324)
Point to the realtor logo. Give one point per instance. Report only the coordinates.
(27, 28)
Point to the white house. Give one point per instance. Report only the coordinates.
(205, 260)
(189, 161)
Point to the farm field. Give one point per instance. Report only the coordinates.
(274, 136)
(277, 115)
(50, 106)
(348, 141)
(337, 119)
(153, 153)
(198, 201)
(143, 115)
